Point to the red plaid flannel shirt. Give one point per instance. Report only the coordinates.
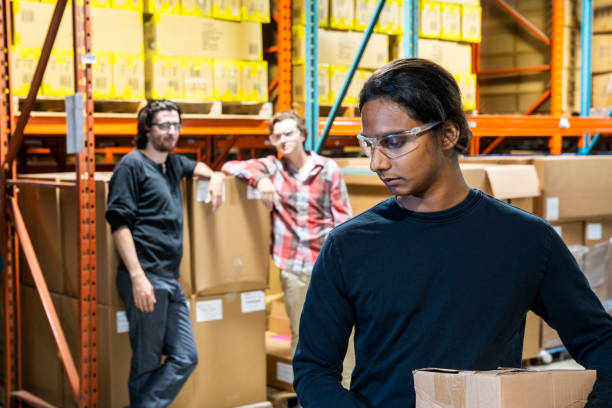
(309, 208)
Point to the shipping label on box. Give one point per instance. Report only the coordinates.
(134, 5)
(451, 22)
(430, 23)
(471, 23)
(299, 18)
(128, 76)
(59, 75)
(341, 14)
(298, 83)
(227, 80)
(390, 19)
(226, 9)
(24, 61)
(198, 8)
(256, 10)
(198, 78)
(102, 75)
(254, 86)
(163, 77)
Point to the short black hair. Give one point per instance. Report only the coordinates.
(425, 90)
(146, 115)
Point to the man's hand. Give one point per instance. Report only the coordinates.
(269, 196)
(144, 296)
(215, 190)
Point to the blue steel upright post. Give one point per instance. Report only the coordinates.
(411, 28)
(311, 75)
(585, 71)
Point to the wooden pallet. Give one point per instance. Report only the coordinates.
(345, 111)
(282, 398)
(225, 110)
(56, 104)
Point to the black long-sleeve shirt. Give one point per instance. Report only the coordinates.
(444, 289)
(145, 197)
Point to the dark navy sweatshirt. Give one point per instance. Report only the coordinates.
(446, 289)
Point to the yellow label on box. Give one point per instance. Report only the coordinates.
(451, 22)
(256, 10)
(254, 81)
(471, 23)
(128, 76)
(227, 80)
(198, 78)
(198, 8)
(226, 10)
(24, 64)
(430, 24)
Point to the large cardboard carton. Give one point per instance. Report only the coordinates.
(116, 31)
(531, 342)
(339, 48)
(569, 190)
(254, 81)
(102, 75)
(198, 78)
(24, 61)
(391, 17)
(572, 232)
(502, 388)
(279, 365)
(597, 231)
(59, 75)
(298, 83)
(42, 370)
(299, 17)
(598, 268)
(163, 77)
(364, 9)
(471, 21)
(227, 80)
(430, 19)
(203, 37)
(338, 75)
(278, 320)
(230, 249)
(128, 76)
(451, 22)
(341, 14)
(602, 91)
(602, 53)
(198, 8)
(230, 337)
(256, 10)
(226, 9)
(30, 23)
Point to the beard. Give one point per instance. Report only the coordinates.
(163, 145)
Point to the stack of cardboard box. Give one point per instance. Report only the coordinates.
(223, 274)
(602, 54)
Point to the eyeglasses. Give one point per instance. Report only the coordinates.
(396, 144)
(276, 137)
(165, 126)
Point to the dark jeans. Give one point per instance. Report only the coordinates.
(166, 331)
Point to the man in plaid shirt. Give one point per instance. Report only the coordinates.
(307, 197)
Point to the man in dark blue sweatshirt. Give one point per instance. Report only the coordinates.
(439, 275)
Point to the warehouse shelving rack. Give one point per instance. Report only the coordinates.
(83, 381)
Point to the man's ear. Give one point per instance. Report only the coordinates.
(450, 135)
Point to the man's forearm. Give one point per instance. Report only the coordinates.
(127, 251)
(201, 170)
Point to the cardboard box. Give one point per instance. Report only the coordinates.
(254, 81)
(339, 48)
(226, 9)
(41, 368)
(128, 76)
(572, 232)
(569, 190)
(430, 21)
(471, 23)
(256, 10)
(298, 16)
(59, 75)
(602, 20)
(230, 249)
(502, 388)
(602, 91)
(198, 78)
(364, 10)
(279, 361)
(531, 342)
(134, 5)
(467, 86)
(163, 77)
(550, 337)
(30, 23)
(227, 80)
(454, 57)
(116, 31)
(390, 19)
(337, 76)
(24, 62)
(598, 268)
(597, 231)
(230, 337)
(102, 75)
(298, 83)
(341, 14)
(602, 53)
(451, 22)
(203, 37)
(430, 49)
(197, 8)
(278, 320)
(162, 6)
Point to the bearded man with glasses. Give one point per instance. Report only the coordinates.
(307, 196)
(439, 275)
(145, 212)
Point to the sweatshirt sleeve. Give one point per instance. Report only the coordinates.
(251, 170)
(122, 203)
(325, 327)
(567, 303)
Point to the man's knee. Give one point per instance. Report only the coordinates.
(187, 361)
